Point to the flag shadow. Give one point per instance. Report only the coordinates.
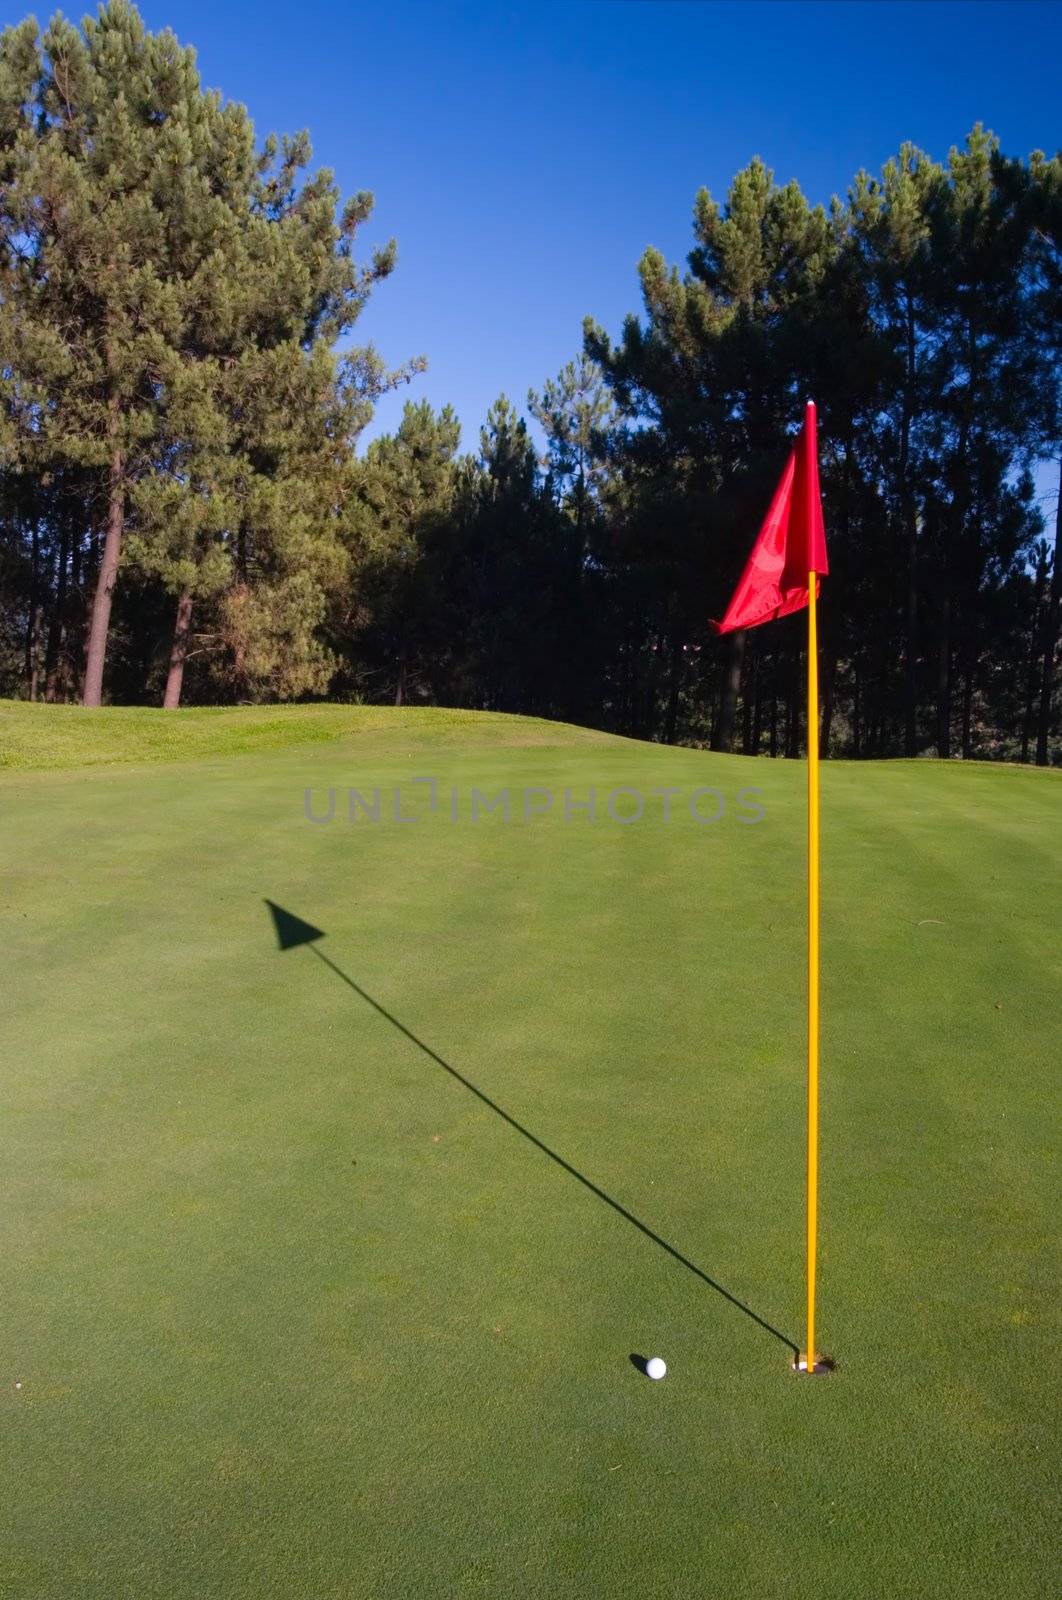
(291, 932)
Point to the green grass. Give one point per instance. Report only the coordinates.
(37, 736)
(295, 1313)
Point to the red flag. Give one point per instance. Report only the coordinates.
(791, 543)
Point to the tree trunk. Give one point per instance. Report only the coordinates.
(969, 673)
(178, 652)
(724, 728)
(400, 681)
(774, 702)
(954, 527)
(792, 718)
(92, 694)
(73, 657)
(649, 700)
(910, 662)
(674, 688)
(910, 668)
(1037, 627)
(944, 680)
(627, 692)
(829, 677)
(88, 568)
(57, 621)
(34, 617)
(750, 700)
(1054, 607)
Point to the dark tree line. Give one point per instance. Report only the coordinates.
(185, 511)
(922, 316)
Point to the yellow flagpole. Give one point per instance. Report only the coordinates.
(813, 961)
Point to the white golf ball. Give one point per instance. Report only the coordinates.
(656, 1368)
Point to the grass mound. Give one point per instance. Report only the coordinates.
(36, 736)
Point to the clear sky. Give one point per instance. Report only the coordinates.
(523, 156)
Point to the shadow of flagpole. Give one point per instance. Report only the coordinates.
(291, 932)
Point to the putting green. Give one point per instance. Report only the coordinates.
(322, 1269)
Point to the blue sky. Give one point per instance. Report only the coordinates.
(523, 156)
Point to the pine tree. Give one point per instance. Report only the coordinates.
(986, 378)
(401, 495)
(887, 229)
(169, 283)
(116, 218)
(575, 411)
(710, 380)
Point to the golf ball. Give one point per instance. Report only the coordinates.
(656, 1368)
